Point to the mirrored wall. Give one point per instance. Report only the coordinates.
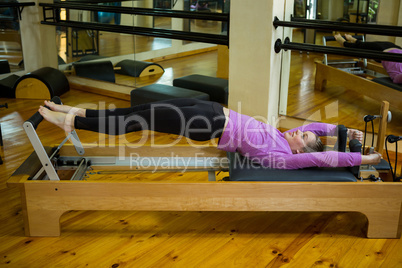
(78, 45)
(10, 39)
(339, 102)
(354, 11)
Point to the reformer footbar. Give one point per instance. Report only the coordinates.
(30, 128)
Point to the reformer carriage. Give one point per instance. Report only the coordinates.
(52, 181)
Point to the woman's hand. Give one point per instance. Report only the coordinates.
(371, 159)
(354, 134)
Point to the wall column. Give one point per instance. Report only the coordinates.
(254, 67)
(398, 40)
(38, 41)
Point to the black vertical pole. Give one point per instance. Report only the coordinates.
(357, 11)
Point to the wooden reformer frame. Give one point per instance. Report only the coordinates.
(45, 197)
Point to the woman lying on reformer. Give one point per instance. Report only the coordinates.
(205, 120)
(394, 69)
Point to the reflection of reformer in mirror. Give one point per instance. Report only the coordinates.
(10, 36)
(353, 66)
(359, 75)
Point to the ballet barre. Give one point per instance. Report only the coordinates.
(51, 17)
(340, 26)
(354, 52)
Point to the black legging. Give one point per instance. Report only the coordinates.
(376, 45)
(192, 118)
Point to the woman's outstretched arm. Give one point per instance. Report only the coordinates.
(316, 159)
(371, 159)
(324, 129)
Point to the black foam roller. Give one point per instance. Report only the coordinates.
(7, 86)
(98, 70)
(134, 68)
(4, 67)
(55, 80)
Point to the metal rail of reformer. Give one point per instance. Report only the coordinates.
(55, 20)
(19, 6)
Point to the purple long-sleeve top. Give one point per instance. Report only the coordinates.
(394, 69)
(267, 146)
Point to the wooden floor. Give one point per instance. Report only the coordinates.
(190, 239)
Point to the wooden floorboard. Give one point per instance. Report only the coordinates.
(189, 239)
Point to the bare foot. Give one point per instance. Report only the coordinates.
(350, 38)
(62, 120)
(65, 109)
(339, 38)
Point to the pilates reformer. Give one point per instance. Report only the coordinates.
(46, 194)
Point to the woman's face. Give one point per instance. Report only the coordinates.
(298, 140)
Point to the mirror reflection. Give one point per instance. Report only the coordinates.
(337, 101)
(77, 45)
(354, 11)
(302, 93)
(10, 39)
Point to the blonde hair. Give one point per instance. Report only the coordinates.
(316, 146)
